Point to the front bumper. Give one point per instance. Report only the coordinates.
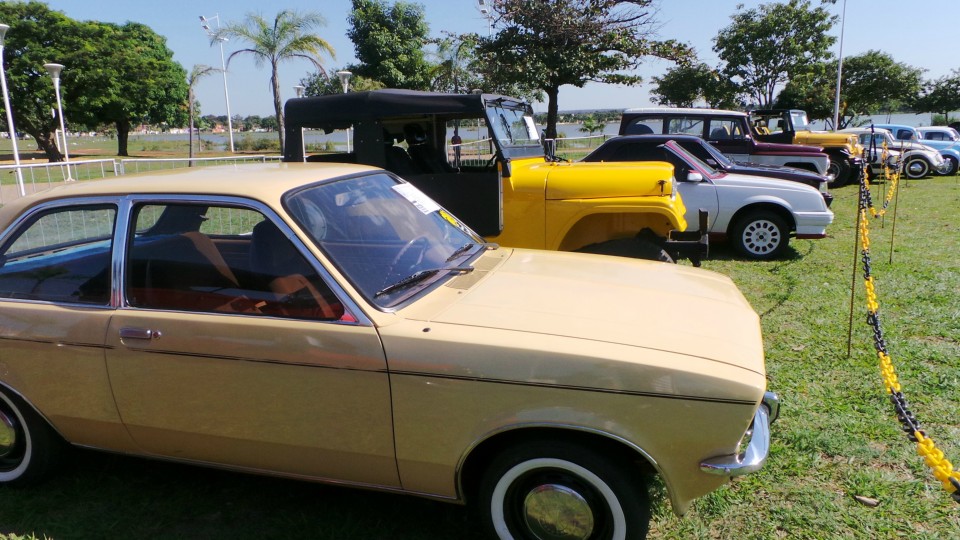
(755, 455)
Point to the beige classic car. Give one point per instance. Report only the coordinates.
(331, 323)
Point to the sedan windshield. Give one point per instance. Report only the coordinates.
(388, 238)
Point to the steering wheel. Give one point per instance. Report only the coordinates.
(420, 242)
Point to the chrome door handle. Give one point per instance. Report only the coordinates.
(139, 333)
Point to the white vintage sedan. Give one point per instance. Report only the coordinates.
(331, 323)
(757, 214)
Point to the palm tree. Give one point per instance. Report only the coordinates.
(287, 38)
(198, 72)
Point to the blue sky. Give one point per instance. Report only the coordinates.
(908, 32)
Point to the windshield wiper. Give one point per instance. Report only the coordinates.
(466, 247)
(417, 277)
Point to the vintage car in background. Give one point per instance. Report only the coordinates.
(728, 131)
(791, 126)
(498, 177)
(917, 160)
(757, 214)
(330, 322)
(622, 148)
(948, 148)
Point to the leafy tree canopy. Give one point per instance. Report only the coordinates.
(389, 42)
(940, 96)
(321, 84)
(768, 46)
(684, 85)
(547, 44)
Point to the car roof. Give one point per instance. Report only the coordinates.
(338, 111)
(682, 110)
(265, 182)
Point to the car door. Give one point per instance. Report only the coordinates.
(727, 134)
(55, 306)
(236, 362)
(697, 192)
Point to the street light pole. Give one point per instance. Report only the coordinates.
(345, 81)
(54, 71)
(6, 105)
(836, 100)
(223, 69)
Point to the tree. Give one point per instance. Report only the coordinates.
(319, 83)
(871, 82)
(591, 125)
(683, 85)
(288, 37)
(198, 72)
(37, 36)
(768, 46)
(131, 78)
(940, 96)
(452, 72)
(548, 44)
(389, 42)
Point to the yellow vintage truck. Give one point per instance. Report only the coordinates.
(481, 157)
(791, 126)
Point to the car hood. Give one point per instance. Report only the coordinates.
(764, 184)
(777, 171)
(613, 301)
(777, 148)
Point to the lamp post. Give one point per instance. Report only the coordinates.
(6, 105)
(345, 81)
(54, 71)
(836, 100)
(223, 68)
(299, 89)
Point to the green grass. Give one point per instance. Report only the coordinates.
(837, 437)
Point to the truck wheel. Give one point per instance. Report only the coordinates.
(916, 167)
(28, 446)
(551, 491)
(951, 167)
(840, 170)
(760, 235)
(636, 248)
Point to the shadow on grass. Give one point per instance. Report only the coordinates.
(106, 496)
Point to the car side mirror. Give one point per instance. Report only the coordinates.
(694, 177)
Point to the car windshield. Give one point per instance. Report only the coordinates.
(696, 163)
(800, 122)
(388, 238)
(512, 126)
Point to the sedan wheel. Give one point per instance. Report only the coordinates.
(27, 445)
(761, 235)
(916, 168)
(562, 492)
(950, 168)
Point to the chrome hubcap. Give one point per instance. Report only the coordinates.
(761, 237)
(556, 512)
(8, 434)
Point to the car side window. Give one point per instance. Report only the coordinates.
(686, 125)
(644, 126)
(62, 255)
(725, 130)
(221, 259)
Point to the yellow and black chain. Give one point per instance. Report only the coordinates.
(932, 456)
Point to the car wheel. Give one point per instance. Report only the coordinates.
(916, 168)
(951, 167)
(551, 491)
(761, 235)
(839, 169)
(636, 248)
(28, 446)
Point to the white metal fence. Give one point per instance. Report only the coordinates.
(41, 176)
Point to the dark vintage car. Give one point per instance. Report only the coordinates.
(630, 147)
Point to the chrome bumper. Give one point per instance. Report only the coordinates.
(753, 458)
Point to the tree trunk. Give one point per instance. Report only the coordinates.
(277, 107)
(46, 142)
(123, 131)
(190, 127)
(552, 111)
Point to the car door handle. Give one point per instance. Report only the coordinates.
(139, 333)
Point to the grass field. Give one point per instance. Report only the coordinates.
(837, 438)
